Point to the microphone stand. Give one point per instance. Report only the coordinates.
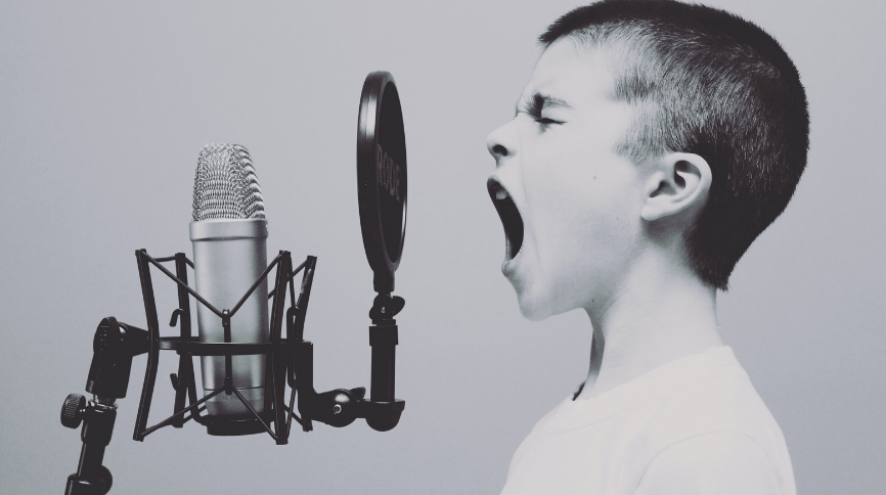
(116, 343)
(114, 346)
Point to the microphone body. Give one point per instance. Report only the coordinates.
(229, 235)
(229, 256)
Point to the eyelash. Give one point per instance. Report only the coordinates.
(543, 121)
(533, 109)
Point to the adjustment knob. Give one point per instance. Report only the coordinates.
(72, 410)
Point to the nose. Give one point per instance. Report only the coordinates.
(500, 143)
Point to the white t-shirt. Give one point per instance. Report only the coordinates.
(606, 444)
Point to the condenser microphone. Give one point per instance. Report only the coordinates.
(229, 234)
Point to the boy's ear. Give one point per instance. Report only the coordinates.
(678, 182)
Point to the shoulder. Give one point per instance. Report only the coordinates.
(717, 396)
(723, 463)
(529, 443)
(712, 434)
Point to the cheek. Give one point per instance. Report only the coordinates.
(610, 232)
(598, 231)
(557, 184)
(613, 211)
(583, 216)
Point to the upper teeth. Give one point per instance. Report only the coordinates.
(502, 194)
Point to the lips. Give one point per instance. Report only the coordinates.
(510, 216)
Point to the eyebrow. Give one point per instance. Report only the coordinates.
(537, 103)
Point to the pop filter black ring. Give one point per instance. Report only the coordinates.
(381, 177)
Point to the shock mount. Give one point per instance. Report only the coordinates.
(289, 361)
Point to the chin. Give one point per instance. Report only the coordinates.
(539, 302)
(534, 308)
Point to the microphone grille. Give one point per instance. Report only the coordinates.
(225, 185)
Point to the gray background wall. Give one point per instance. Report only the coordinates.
(105, 105)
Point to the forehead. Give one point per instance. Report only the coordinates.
(569, 71)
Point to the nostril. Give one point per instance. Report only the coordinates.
(500, 142)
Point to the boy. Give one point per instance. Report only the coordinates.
(654, 141)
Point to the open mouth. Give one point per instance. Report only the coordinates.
(510, 216)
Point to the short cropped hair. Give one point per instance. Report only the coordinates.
(708, 82)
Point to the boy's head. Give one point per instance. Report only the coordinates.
(699, 94)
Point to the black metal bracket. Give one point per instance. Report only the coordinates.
(188, 346)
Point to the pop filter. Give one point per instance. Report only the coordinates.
(381, 177)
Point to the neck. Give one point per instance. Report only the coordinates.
(659, 313)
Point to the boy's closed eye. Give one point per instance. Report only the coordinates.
(544, 122)
(536, 106)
